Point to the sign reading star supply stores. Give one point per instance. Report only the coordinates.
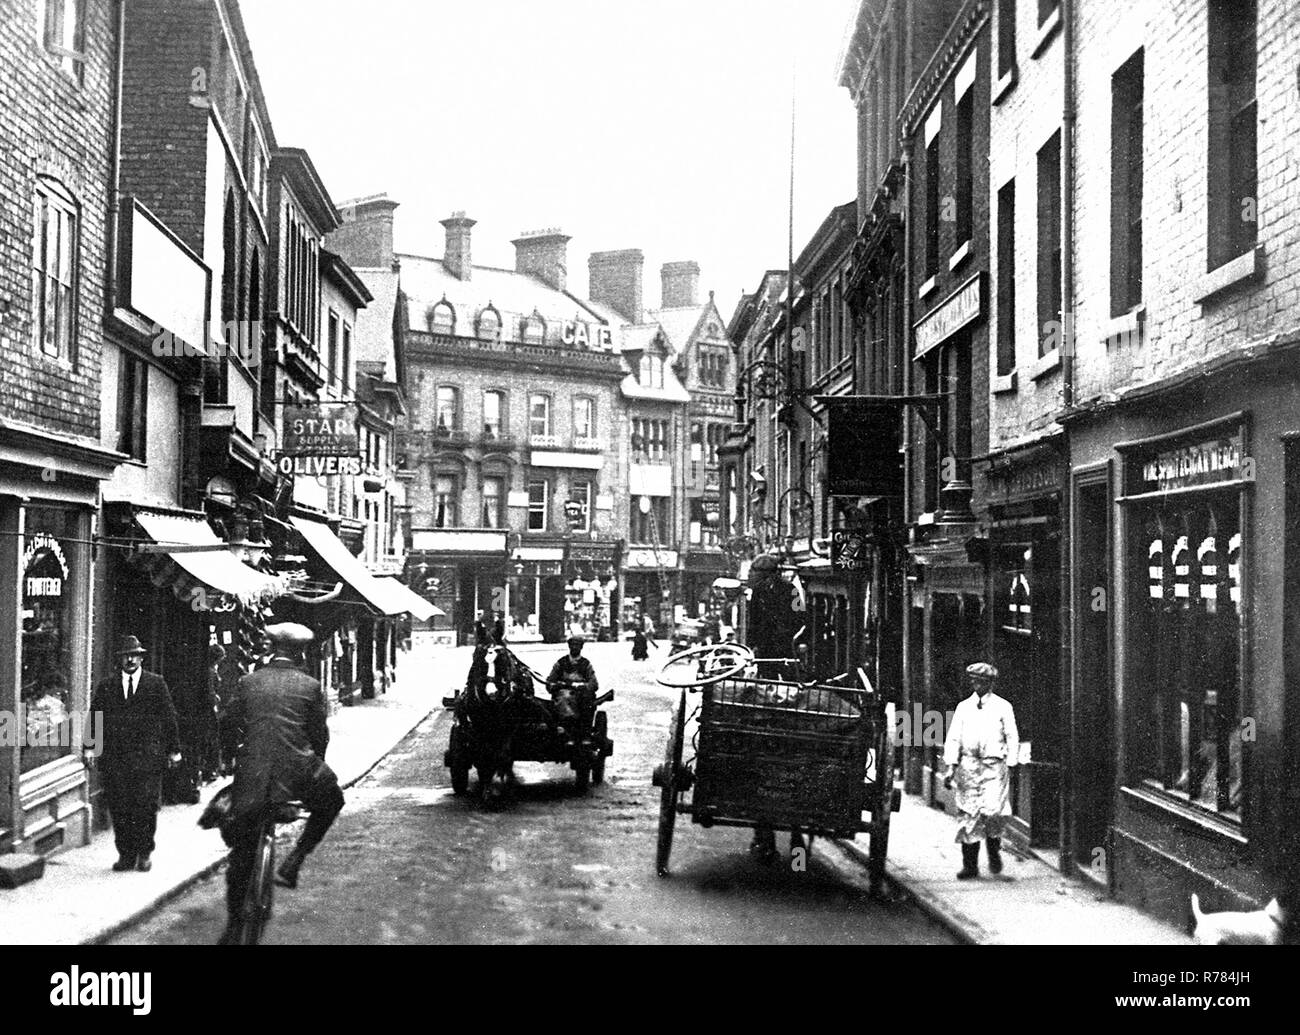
(320, 440)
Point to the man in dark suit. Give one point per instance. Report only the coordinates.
(277, 715)
(140, 742)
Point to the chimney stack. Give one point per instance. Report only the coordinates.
(681, 284)
(456, 256)
(544, 253)
(616, 281)
(365, 240)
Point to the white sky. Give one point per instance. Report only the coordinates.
(662, 125)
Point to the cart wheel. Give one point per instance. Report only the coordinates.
(882, 807)
(457, 762)
(668, 795)
(582, 778)
(599, 734)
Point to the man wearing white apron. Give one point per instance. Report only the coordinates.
(981, 747)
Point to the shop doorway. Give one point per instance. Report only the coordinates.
(1093, 731)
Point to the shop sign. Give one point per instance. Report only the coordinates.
(1210, 462)
(649, 559)
(575, 333)
(863, 442)
(42, 578)
(322, 431)
(960, 308)
(1026, 479)
(850, 549)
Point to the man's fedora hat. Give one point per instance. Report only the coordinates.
(129, 645)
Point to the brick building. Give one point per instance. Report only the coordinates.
(1025, 466)
(944, 128)
(513, 460)
(55, 185)
(1181, 415)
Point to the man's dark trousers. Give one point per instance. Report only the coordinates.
(133, 806)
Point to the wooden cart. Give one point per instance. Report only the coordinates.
(815, 759)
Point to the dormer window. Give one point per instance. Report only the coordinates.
(651, 374)
(533, 329)
(488, 326)
(442, 318)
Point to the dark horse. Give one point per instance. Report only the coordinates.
(492, 717)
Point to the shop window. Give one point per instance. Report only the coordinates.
(538, 498)
(49, 617)
(1186, 730)
(54, 271)
(446, 501)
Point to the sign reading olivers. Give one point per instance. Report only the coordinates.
(320, 440)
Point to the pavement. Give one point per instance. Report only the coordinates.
(1030, 903)
(80, 900)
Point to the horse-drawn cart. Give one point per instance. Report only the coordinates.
(494, 728)
(815, 759)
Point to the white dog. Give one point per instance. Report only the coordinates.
(1260, 927)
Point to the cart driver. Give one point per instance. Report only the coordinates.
(570, 669)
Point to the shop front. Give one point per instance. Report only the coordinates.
(1181, 537)
(1025, 489)
(49, 489)
(649, 576)
(591, 604)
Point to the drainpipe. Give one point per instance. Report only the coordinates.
(911, 785)
(1065, 608)
(114, 169)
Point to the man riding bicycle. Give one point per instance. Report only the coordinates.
(277, 715)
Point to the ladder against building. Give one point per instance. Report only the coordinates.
(659, 563)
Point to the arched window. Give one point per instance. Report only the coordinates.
(488, 325)
(230, 246)
(533, 330)
(54, 270)
(442, 318)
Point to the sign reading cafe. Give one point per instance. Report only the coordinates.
(320, 440)
(577, 333)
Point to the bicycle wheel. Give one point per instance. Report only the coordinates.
(261, 885)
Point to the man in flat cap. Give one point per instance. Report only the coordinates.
(981, 748)
(277, 716)
(140, 741)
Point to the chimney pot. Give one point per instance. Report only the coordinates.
(680, 283)
(456, 257)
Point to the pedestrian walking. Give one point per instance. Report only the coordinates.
(639, 651)
(140, 742)
(982, 747)
(209, 749)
